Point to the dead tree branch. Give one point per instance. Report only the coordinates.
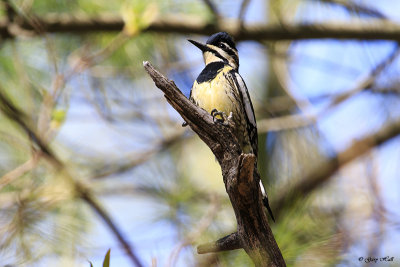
(241, 180)
(229, 242)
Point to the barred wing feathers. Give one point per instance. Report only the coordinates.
(248, 108)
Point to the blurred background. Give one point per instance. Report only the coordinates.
(92, 156)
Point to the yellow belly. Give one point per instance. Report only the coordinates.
(221, 94)
(215, 94)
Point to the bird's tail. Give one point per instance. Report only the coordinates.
(265, 201)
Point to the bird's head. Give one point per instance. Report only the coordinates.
(219, 47)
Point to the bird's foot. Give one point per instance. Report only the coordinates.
(222, 115)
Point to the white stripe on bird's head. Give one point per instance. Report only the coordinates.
(222, 53)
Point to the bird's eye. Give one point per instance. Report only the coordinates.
(221, 45)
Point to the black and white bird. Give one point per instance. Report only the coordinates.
(221, 91)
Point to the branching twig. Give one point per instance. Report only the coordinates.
(241, 180)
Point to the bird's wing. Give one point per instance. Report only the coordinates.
(247, 107)
(251, 126)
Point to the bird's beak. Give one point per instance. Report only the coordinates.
(200, 46)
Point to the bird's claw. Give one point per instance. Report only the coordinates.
(215, 113)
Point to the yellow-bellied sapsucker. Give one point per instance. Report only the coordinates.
(220, 90)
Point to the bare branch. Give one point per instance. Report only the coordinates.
(63, 23)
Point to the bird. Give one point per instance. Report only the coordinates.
(220, 90)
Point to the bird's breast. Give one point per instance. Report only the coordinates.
(214, 94)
